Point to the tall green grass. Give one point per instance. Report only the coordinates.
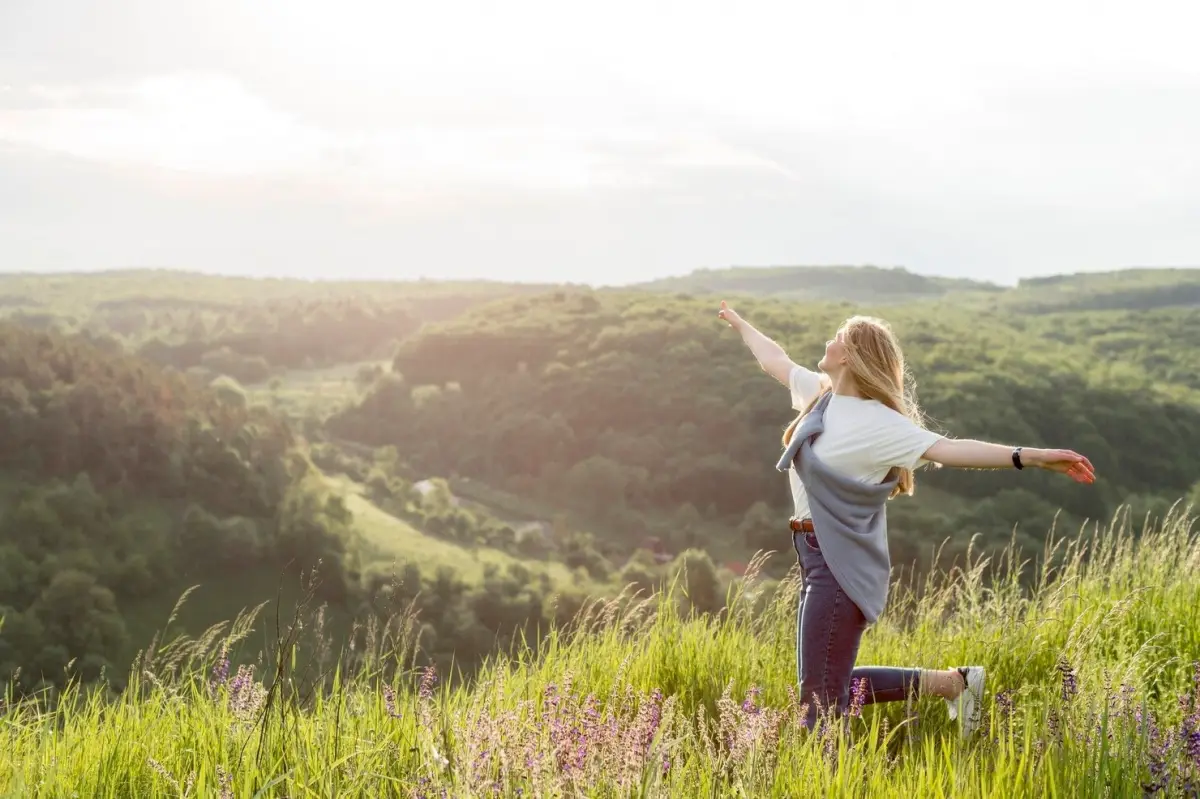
(1092, 692)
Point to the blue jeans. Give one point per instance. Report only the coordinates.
(828, 631)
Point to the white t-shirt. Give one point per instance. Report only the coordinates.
(863, 438)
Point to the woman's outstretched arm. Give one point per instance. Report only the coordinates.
(970, 454)
(771, 357)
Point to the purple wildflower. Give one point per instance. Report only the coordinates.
(858, 697)
(389, 702)
(424, 783)
(1052, 726)
(589, 730)
(220, 670)
(1190, 730)
(646, 725)
(246, 696)
(829, 741)
(244, 675)
(567, 742)
(1126, 698)
(1070, 686)
(750, 703)
(1004, 704)
(1192, 738)
(1158, 766)
(428, 679)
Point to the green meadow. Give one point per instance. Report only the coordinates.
(1093, 690)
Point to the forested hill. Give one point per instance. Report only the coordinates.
(244, 328)
(632, 407)
(849, 283)
(1129, 289)
(496, 452)
(117, 478)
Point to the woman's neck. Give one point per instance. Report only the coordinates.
(844, 385)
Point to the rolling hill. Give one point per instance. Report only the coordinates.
(868, 284)
(169, 429)
(632, 406)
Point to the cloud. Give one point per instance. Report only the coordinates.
(190, 122)
(212, 125)
(627, 139)
(60, 213)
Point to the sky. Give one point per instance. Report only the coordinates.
(605, 143)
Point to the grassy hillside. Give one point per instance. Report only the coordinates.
(1098, 695)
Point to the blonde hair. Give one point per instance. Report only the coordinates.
(875, 361)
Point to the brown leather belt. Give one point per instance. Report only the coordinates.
(802, 526)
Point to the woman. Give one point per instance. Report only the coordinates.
(855, 444)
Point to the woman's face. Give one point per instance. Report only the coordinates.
(835, 354)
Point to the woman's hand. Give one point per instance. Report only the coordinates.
(770, 356)
(730, 316)
(1063, 461)
(970, 454)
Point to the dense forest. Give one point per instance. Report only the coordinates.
(629, 407)
(497, 453)
(120, 477)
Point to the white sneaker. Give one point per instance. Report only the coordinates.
(969, 703)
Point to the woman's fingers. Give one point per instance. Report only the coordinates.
(727, 313)
(1072, 464)
(1075, 456)
(1083, 468)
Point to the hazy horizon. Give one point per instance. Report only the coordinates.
(607, 144)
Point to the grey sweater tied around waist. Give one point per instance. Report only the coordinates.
(850, 517)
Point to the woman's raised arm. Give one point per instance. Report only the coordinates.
(771, 357)
(970, 454)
